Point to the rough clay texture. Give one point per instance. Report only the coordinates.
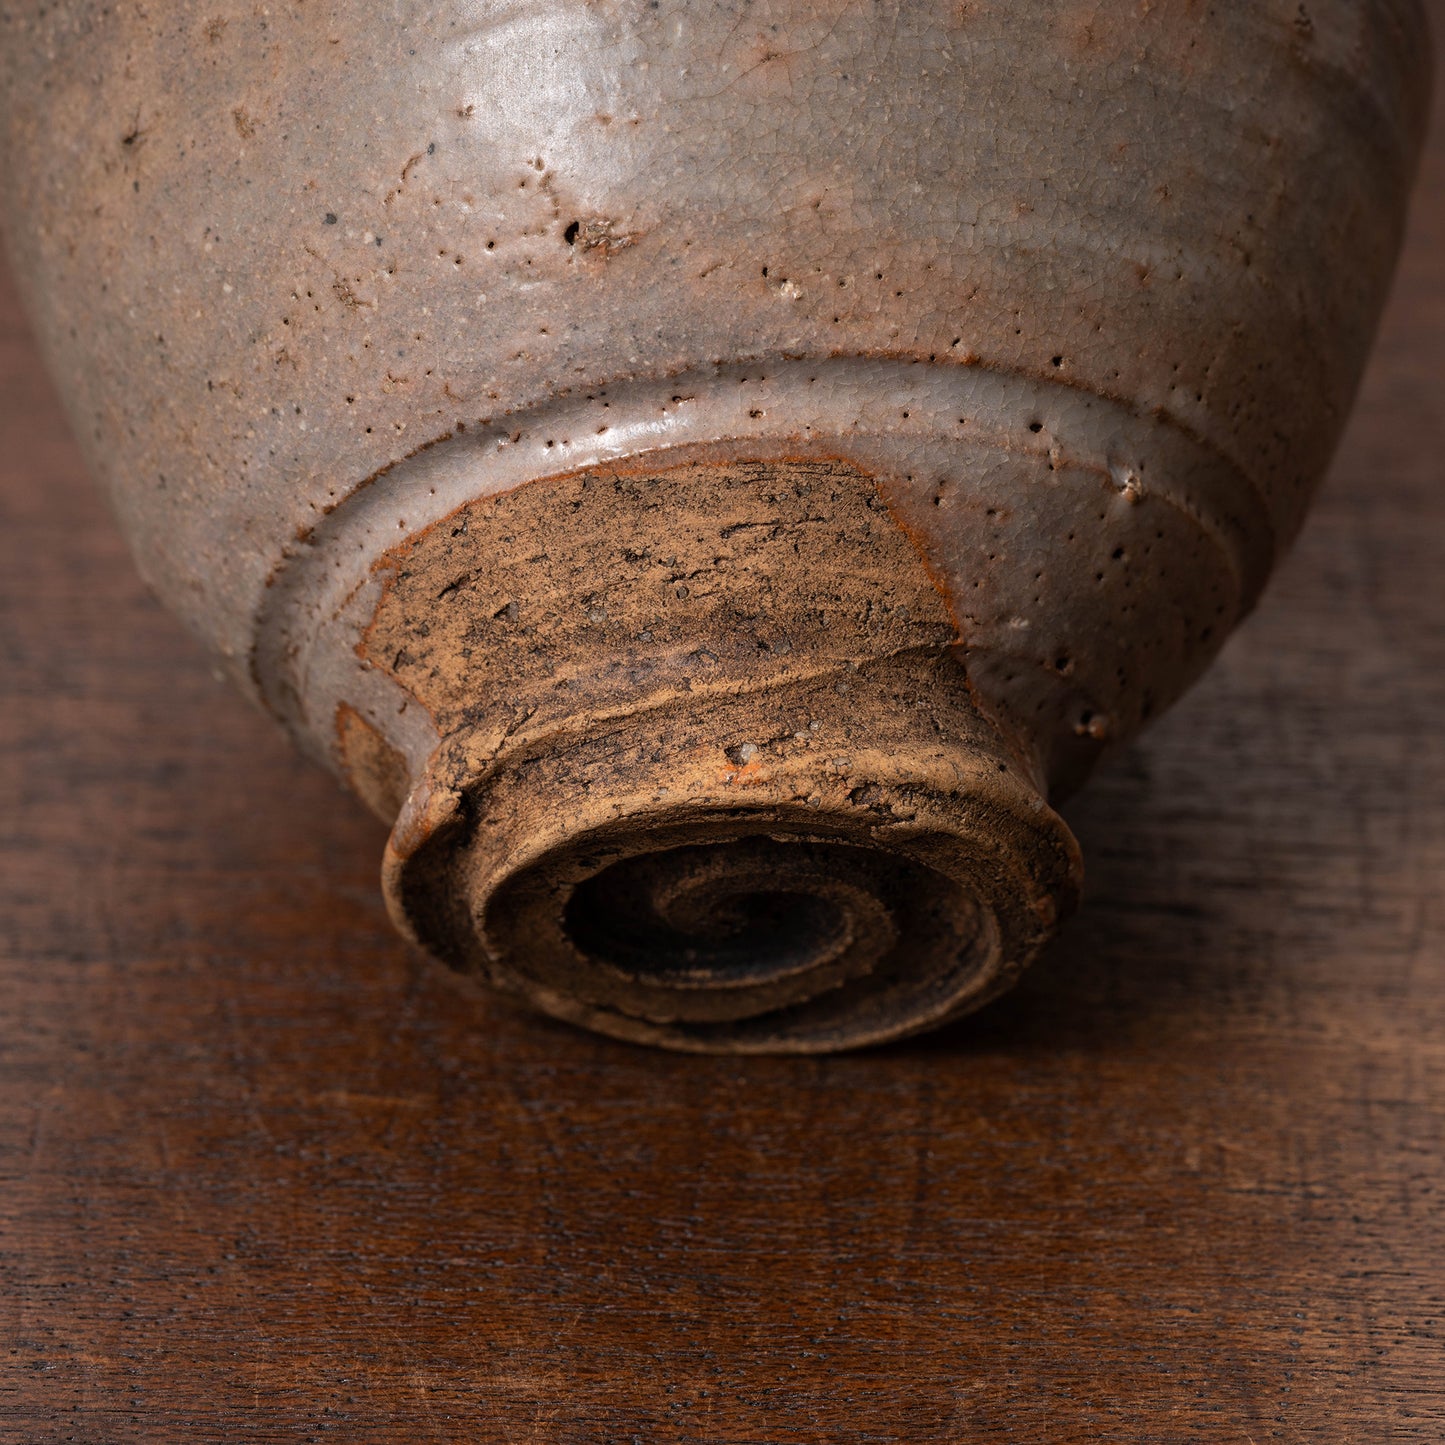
(1083, 291)
(733, 692)
(613, 591)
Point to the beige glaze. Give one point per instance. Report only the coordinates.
(708, 473)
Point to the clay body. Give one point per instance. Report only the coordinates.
(708, 474)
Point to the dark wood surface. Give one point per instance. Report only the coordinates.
(268, 1176)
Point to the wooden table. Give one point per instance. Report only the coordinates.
(267, 1176)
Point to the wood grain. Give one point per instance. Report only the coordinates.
(267, 1176)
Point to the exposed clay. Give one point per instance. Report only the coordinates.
(376, 771)
(720, 780)
(709, 479)
(570, 601)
